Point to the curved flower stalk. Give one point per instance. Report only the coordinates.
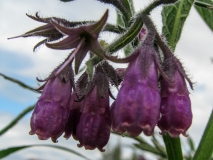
(52, 109)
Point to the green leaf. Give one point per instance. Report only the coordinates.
(116, 154)
(126, 38)
(15, 121)
(205, 148)
(206, 14)
(120, 21)
(149, 148)
(143, 144)
(191, 143)
(18, 82)
(8, 151)
(128, 50)
(173, 147)
(174, 17)
(130, 6)
(158, 145)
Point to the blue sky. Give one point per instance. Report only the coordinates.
(19, 61)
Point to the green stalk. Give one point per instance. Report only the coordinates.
(205, 148)
(173, 147)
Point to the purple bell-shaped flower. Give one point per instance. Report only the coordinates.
(93, 130)
(52, 109)
(176, 114)
(137, 106)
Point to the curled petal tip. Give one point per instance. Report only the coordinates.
(87, 147)
(146, 127)
(40, 80)
(31, 133)
(54, 140)
(185, 134)
(161, 133)
(80, 145)
(101, 149)
(66, 137)
(41, 137)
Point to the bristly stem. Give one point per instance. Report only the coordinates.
(134, 29)
(149, 40)
(129, 36)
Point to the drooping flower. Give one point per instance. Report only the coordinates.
(176, 114)
(137, 106)
(93, 129)
(52, 109)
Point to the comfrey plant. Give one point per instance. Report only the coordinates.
(152, 90)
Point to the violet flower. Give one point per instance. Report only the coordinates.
(93, 130)
(137, 106)
(176, 114)
(52, 109)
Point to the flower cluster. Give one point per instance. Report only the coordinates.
(142, 103)
(59, 111)
(152, 91)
